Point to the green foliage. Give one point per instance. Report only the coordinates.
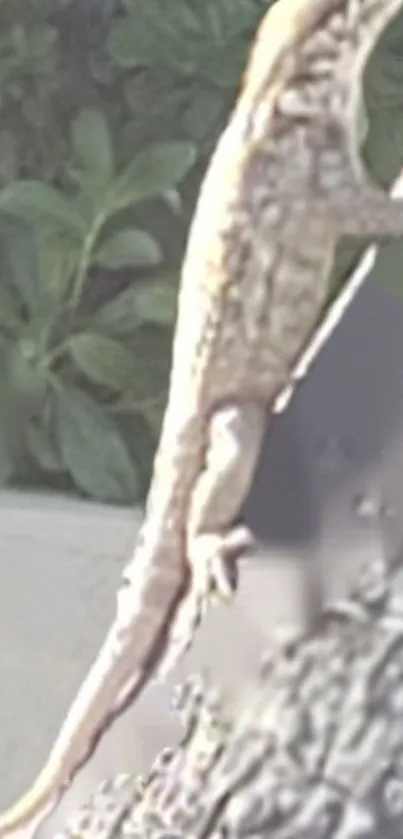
(200, 39)
(68, 368)
(103, 116)
(182, 61)
(92, 449)
(108, 112)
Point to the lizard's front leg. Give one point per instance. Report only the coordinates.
(234, 439)
(368, 211)
(214, 540)
(235, 435)
(373, 213)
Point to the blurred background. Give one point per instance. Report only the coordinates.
(109, 112)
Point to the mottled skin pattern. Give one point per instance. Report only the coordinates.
(284, 184)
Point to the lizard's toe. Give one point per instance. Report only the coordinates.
(213, 577)
(213, 563)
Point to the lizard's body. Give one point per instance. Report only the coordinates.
(284, 184)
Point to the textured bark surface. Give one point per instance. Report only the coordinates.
(316, 751)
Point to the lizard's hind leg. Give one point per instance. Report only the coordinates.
(214, 542)
(235, 435)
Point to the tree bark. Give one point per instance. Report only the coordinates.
(316, 751)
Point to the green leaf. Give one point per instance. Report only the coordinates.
(103, 360)
(173, 200)
(28, 376)
(10, 310)
(22, 393)
(141, 443)
(150, 33)
(92, 449)
(152, 301)
(42, 449)
(119, 316)
(10, 419)
(152, 172)
(153, 411)
(156, 302)
(224, 67)
(19, 257)
(156, 99)
(40, 263)
(36, 201)
(128, 247)
(92, 145)
(202, 114)
(153, 347)
(183, 35)
(57, 260)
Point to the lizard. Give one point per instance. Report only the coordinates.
(284, 184)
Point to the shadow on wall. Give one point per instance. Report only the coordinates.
(331, 473)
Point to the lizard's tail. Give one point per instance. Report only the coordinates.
(102, 693)
(39, 800)
(124, 663)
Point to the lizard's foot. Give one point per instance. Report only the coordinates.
(213, 577)
(213, 564)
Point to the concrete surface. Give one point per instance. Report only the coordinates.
(327, 493)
